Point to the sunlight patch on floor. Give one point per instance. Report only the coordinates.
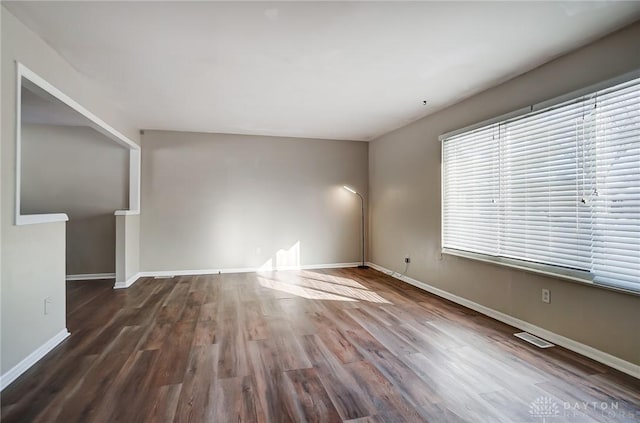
(314, 289)
(331, 278)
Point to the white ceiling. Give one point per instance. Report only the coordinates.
(338, 70)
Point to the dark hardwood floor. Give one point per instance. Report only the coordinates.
(318, 346)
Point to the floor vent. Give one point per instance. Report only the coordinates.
(164, 277)
(538, 342)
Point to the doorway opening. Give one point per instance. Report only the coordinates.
(71, 166)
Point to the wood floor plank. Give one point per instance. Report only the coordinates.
(86, 399)
(384, 395)
(291, 346)
(292, 355)
(208, 311)
(205, 333)
(234, 401)
(414, 388)
(295, 312)
(98, 312)
(174, 354)
(196, 396)
(59, 363)
(368, 419)
(157, 335)
(80, 293)
(164, 405)
(310, 398)
(211, 287)
(345, 394)
(255, 324)
(134, 390)
(339, 345)
(462, 397)
(191, 310)
(266, 368)
(381, 332)
(46, 404)
(232, 357)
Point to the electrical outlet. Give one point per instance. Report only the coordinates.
(546, 296)
(407, 259)
(47, 305)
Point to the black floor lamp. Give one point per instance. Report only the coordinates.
(353, 191)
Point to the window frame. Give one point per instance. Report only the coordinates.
(558, 272)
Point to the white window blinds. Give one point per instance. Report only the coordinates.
(616, 199)
(558, 187)
(471, 186)
(543, 217)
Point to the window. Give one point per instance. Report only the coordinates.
(556, 189)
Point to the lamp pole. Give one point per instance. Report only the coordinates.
(362, 266)
(353, 191)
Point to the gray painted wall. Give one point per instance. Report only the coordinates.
(80, 172)
(213, 201)
(33, 256)
(404, 188)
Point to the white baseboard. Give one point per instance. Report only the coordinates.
(91, 276)
(244, 270)
(570, 344)
(13, 373)
(316, 266)
(195, 272)
(126, 284)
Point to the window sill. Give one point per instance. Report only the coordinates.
(32, 219)
(576, 276)
(127, 212)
